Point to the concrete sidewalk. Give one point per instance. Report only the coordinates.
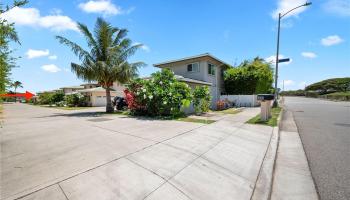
(292, 177)
(117, 157)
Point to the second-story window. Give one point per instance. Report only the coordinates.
(193, 67)
(211, 69)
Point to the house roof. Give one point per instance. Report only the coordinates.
(189, 58)
(96, 89)
(190, 80)
(73, 87)
(89, 84)
(184, 79)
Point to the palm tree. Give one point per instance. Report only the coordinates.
(17, 84)
(106, 60)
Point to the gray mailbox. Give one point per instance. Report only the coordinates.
(265, 105)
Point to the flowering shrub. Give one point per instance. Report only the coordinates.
(160, 95)
(201, 99)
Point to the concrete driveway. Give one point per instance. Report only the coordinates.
(54, 154)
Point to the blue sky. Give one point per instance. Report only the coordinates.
(317, 38)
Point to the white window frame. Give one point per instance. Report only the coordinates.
(192, 67)
(210, 70)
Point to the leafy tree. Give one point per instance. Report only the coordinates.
(293, 93)
(7, 34)
(45, 98)
(107, 58)
(57, 97)
(330, 85)
(250, 77)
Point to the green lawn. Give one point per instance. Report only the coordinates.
(202, 121)
(117, 113)
(271, 122)
(227, 111)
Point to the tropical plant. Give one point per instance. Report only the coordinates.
(57, 97)
(45, 98)
(17, 84)
(75, 100)
(161, 95)
(201, 99)
(107, 58)
(250, 77)
(7, 34)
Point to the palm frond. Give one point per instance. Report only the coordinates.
(120, 35)
(84, 72)
(78, 50)
(88, 35)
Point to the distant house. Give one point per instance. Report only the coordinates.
(203, 69)
(71, 89)
(97, 95)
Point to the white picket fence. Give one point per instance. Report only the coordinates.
(241, 100)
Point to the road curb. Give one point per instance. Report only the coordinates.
(292, 177)
(264, 183)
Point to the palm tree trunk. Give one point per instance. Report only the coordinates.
(109, 107)
(15, 93)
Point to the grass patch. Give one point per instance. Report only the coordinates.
(227, 111)
(202, 121)
(117, 113)
(271, 122)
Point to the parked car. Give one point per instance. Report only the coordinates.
(120, 103)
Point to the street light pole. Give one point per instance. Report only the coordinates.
(280, 16)
(277, 59)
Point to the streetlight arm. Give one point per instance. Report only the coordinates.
(306, 4)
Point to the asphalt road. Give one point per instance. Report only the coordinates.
(324, 128)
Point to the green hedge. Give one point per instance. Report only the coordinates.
(340, 96)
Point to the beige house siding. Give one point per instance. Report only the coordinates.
(180, 68)
(119, 88)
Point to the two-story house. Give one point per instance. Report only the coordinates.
(203, 69)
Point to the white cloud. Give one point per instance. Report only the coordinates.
(53, 57)
(331, 40)
(146, 48)
(272, 60)
(284, 6)
(58, 23)
(105, 7)
(143, 47)
(31, 17)
(51, 68)
(288, 82)
(31, 53)
(308, 54)
(338, 7)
